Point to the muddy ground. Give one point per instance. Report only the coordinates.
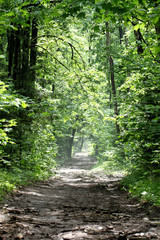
(78, 203)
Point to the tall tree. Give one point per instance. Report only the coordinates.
(112, 76)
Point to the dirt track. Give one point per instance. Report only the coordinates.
(77, 204)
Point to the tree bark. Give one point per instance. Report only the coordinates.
(81, 143)
(17, 59)
(157, 28)
(71, 143)
(121, 34)
(33, 53)
(25, 62)
(11, 41)
(112, 78)
(139, 40)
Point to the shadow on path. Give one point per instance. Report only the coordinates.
(77, 203)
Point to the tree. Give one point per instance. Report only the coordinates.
(112, 78)
(80, 77)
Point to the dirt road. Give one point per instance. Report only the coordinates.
(78, 203)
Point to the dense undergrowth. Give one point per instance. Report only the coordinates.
(143, 185)
(15, 178)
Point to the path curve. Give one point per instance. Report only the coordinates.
(77, 203)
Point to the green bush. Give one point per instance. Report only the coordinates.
(14, 178)
(143, 185)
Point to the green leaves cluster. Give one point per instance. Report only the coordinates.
(136, 69)
(8, 102)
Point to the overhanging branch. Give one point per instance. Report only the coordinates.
(53, 57)
(67, 42)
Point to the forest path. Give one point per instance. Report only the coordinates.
(77, 203)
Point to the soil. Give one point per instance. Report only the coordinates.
(78, 203)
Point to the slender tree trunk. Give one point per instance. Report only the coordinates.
(112, 78)
(2, 51)
(157, 28)
(108, 51)
(96, 149)
(11, 42)
(33, 53)
(1, 45)
(121, 33)
(89, 49)
(25, 61)
(71, 143)
(81, 143)
(139, 39)
(16, 64)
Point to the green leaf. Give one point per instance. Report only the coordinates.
(24, 105)
(81, 15)
(156, 49)
(96, 28)
(2, 56)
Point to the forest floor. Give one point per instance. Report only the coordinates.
(77, 203)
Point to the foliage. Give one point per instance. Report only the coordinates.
(57, 84)
(8, 101)
(143, 185)
(15, 178)
(111, 162)
(140, 115)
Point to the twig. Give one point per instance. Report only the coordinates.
(69, 43)
(53, 56)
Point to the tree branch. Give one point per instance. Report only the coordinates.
(53, 57)
(67, 42)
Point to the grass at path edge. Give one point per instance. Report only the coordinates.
(15, 178)
(145, 187)
(139, 184)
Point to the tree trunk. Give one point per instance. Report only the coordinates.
(17, 59)
(96, 150)
(33, 53)
(71, 143)
(157, 28)
(20, 58)
(121, 34)
(81, 143)
(139, 39)
(112, 78)
(11, 41)
(25, 62)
